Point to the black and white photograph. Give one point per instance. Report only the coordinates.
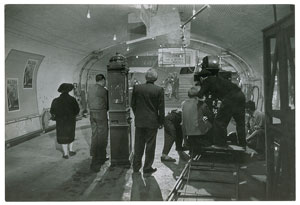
(149, 101)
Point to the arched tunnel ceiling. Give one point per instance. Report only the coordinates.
(236, 28)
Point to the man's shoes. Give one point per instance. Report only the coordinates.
(150, 171)
(72, 153)
(166, 158)
(65, 156)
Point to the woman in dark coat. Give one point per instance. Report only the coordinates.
(64, 109)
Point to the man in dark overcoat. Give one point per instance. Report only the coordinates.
(149, 110)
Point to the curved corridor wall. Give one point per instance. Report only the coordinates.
(57, 67)
(20, 80)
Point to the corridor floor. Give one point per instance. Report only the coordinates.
(36, 171)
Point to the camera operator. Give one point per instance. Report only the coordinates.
(231, 96)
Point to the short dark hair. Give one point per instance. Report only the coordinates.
(99, 77)
(250, 105)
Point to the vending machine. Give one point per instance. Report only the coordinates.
(119, 111)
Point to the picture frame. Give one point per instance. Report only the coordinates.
(28, 73)
(12, 92)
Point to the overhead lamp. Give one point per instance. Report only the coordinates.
(88, 15)
(194, 12)
(127, 48)
(137, 56)
(115, 37)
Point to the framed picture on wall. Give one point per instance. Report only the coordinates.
(28, 73)
(12, 93)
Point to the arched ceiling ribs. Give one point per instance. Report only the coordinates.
(243, 68)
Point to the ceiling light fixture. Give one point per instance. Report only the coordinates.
(194, 12)
(127, 48)
(115, 37)
(88, 15)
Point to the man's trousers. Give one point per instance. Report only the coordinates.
(233, 106)
(144, 138)
(99, 126)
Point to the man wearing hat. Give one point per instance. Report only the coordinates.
(64, 110)
(231, 96)
(98, 105)
(149, 110)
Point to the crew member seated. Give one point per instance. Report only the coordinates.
(232, 98)
(196, 122)
(256, 130)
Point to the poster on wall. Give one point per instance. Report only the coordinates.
(12, 94)
(28, 73)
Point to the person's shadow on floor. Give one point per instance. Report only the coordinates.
(177, 168)
(145, 188)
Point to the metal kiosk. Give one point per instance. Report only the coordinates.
(119, 111)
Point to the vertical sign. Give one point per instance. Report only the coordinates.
(28, 73)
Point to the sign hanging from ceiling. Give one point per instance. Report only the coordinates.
(176, 57)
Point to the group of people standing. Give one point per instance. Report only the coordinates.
(193, 127)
